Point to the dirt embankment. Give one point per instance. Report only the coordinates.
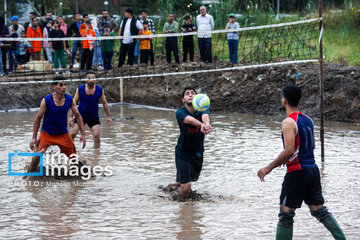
(247, 91)
(259, 90)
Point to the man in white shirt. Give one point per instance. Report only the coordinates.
(130, 26)
(205, 23)
(15, 21)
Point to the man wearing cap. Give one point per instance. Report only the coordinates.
(233, 38)
(15, 21)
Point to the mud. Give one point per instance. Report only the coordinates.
(256, 91)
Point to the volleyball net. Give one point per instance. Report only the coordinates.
(258, 46)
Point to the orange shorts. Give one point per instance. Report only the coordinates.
(64, 141)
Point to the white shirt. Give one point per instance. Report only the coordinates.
(127, 31)
(204, 24)
(20, 29)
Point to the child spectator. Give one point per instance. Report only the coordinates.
(24, 56)
(107, 47)
(97, 60)
(34, 31)
(145, 44)
(13, 49)
(58, 48)
(88, 46)
(188, 41)
(233, 38)
(46, 34)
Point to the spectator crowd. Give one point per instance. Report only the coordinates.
(98, 54)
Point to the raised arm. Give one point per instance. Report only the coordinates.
(106, 107)
(37, 122)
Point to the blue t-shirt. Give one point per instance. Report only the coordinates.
(55, 118)
(89, 104)
(191, 139)
(78, 25)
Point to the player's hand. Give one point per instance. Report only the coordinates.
(109, 121)
(208, 128)
(33, 144)
(82, 139)
(263, 172)
(71, 122)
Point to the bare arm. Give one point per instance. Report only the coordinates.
(289, 131)
(191, 120)
(106, 107)
(206, 121)
(37, 122)
(79, 121)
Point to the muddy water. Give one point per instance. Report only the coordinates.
(139, 146)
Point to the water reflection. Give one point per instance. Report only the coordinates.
(189, 220)
(139, 146)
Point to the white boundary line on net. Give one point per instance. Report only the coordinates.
(170, 73)
(166, 35)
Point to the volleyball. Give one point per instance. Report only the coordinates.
(201, 102)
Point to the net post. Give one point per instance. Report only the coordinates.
(321, 72)
(121, 90)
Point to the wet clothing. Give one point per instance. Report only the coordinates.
(190, 147)
(303, 185)
(90, 122)
(55, 118)
(89, 104)
(302, 180)
(63, 141)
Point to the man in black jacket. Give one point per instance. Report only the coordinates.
(31, 16)
(74, 31)
(130, 26)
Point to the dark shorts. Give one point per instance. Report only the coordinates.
(302, 185)
(188, 167)
(90, 122)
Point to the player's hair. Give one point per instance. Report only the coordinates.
(292, 94)
(129, 10)
(58, 79)
(90, 72)
(188, 88)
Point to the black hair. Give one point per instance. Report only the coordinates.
(129, 10)
(85, 15)
(104, 10)
(59, 16)
(187, 17)
(77, 14)
(292, 94)
(58, 79)
(143, 11)
(88, 22)
(55, 21)
(33, 13)
(188, 88)
(15, 27)
(33, 19)
(146, 22)
(170, 13)
(90, 72)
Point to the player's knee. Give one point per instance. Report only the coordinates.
(286, 219)
(321, 214)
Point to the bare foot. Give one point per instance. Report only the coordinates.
(175, 184)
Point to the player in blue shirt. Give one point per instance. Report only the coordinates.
(89, 95)
(190, 146)
(302, 180)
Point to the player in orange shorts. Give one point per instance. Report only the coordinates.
(54, 108)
